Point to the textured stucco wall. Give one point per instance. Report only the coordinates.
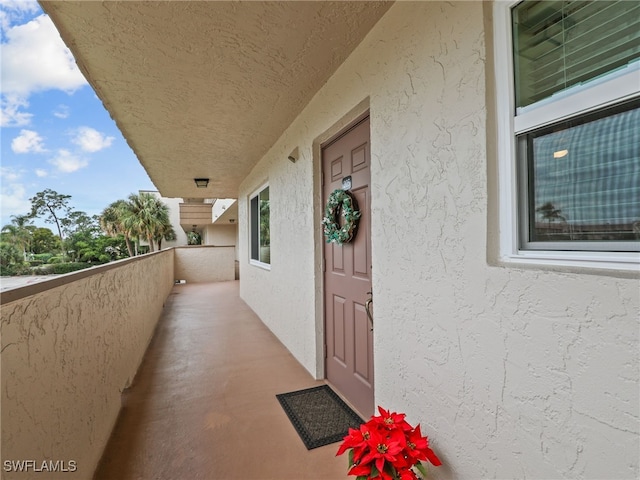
(513, 372)
(68, 353)
(197, 264)
(220, 235)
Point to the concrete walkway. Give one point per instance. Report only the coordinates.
(203, 404)
(7, 283)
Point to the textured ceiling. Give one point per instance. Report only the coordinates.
(203, 89)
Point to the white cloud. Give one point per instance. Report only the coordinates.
(28, 142)
(10, 114)
(13, 199)
(61, 112)
(13, 10)
(18, 6)
(8, 174)
(41, 172)
(91, 140)
(34, 58)
(67, 162)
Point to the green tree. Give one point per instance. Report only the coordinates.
(112, 222)
(79, 222)
(265, 236)
(18, 233)
(10, 254)
(147, 216)
(51, 205)
(81, 232)
(194, 238)
(550, 213)
(43, 240)
(11, 260)
(113, 247)
(166, 232)
(141, 215)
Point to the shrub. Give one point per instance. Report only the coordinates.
(42, 270)
(15, 269)
(42, 257)
(53, 260)
(10, 254)
(61, 268)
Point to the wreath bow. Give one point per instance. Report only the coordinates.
(340, 202)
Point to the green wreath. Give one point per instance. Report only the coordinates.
(340, 202)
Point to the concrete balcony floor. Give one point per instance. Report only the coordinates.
(203, 404)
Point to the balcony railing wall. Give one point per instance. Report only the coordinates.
(196, 264)
(69, 347)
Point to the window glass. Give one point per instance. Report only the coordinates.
(560, 44)
(265, 239)
(567, 127)
(260, 227)
(255, 239)
(584, 178)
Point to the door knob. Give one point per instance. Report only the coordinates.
(367, 307)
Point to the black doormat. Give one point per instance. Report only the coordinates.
(319, 415)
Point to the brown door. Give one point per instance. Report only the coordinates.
(347, 277)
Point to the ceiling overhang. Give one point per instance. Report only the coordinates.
(204, 89)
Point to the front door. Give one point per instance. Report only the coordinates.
(347, 277)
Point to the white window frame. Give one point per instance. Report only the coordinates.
(254, 194)
(613, 89)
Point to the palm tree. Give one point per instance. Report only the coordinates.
(112, 222)
(165, 233)
(160, 227)
(550, 213)
(149, 217)
(140, 215)
(18, 232)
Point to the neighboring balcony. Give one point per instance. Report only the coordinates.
(202, 405)
(195, 215)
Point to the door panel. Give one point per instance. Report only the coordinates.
(336, 169)
(337, 259)
(349, 359)
(338, 330)
(358, 158)
(361, 255)
(362, 352)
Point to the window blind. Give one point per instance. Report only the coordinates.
(560, 44)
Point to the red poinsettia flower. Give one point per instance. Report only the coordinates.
(356, 439)
(407, 474)
(391, 420)
(382, 476)
(433, 458)
(360, 470)
(381, 450)
(418, 448)
(416, 444)
(387, 448)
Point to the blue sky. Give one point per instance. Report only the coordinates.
(55, 133)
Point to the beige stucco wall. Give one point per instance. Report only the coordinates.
(220, 235)
(513, 372)
(197, 264)
(67, 354)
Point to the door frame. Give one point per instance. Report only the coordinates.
(341, 126)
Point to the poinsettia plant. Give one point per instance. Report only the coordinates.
(387, 448)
